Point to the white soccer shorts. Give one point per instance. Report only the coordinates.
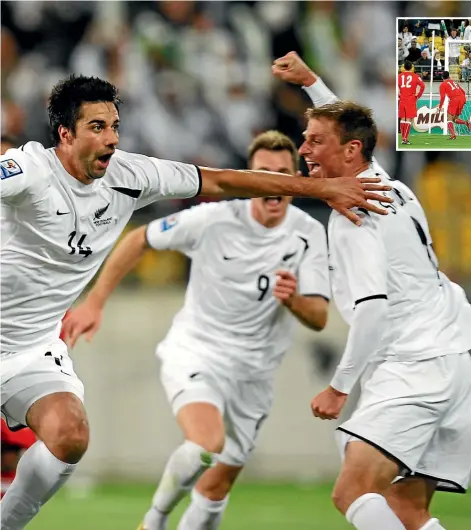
(33, 374)
(419, 414)
(244, 404)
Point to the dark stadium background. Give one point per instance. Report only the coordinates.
(196, 83)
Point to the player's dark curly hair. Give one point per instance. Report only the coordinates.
(354, 122)
(408, 65)
(67, 97)
(445, 75)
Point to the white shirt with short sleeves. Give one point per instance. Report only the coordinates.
(454, 48)
(56, 231)
(230, 317)
(392, 257)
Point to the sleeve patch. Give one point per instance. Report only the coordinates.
(10, 168)
(168, 223)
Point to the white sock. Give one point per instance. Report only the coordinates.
(38, 476)
(202, 514)
(432, 524)
(184, 467)
(371, 509)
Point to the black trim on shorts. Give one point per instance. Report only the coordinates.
(407, 471)
(372, 297)
(457, 488)
(402, 467)
(200, 177)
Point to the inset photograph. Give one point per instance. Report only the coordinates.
(434, 83)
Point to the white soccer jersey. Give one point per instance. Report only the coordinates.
(230, 316)
(392, 257)
(56, 231)
(454, 48)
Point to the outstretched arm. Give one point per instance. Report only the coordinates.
(180, 231)
(86, 318)
(292, 69)
(442, 96)
(341, 194)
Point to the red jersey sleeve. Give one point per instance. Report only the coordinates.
(421, 86)
(442, 93)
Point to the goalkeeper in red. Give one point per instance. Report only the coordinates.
(457, 101)
(408, 82)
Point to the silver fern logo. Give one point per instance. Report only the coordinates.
(97, 218)
(101, 211)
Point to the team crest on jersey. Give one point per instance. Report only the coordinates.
(10, 168)
(97, 218)
(168, 223)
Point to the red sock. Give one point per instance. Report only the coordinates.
(451, 128)
(407, 130)
(402, 129)
(460, 121)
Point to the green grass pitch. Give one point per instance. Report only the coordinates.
(435, 141)
(253, 507)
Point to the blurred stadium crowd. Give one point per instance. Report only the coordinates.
(196, 82)
(414, 43)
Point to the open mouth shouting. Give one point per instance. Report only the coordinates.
(313, 167)
(104, 159)
(273, 201)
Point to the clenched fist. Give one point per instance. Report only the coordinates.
(328, 404)
(293, 69)
(285, 286)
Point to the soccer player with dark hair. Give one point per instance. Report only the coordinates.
(61, 218)
(408, 83)
(456, 103)
(408, 340)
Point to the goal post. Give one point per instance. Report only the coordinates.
(431, 80)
